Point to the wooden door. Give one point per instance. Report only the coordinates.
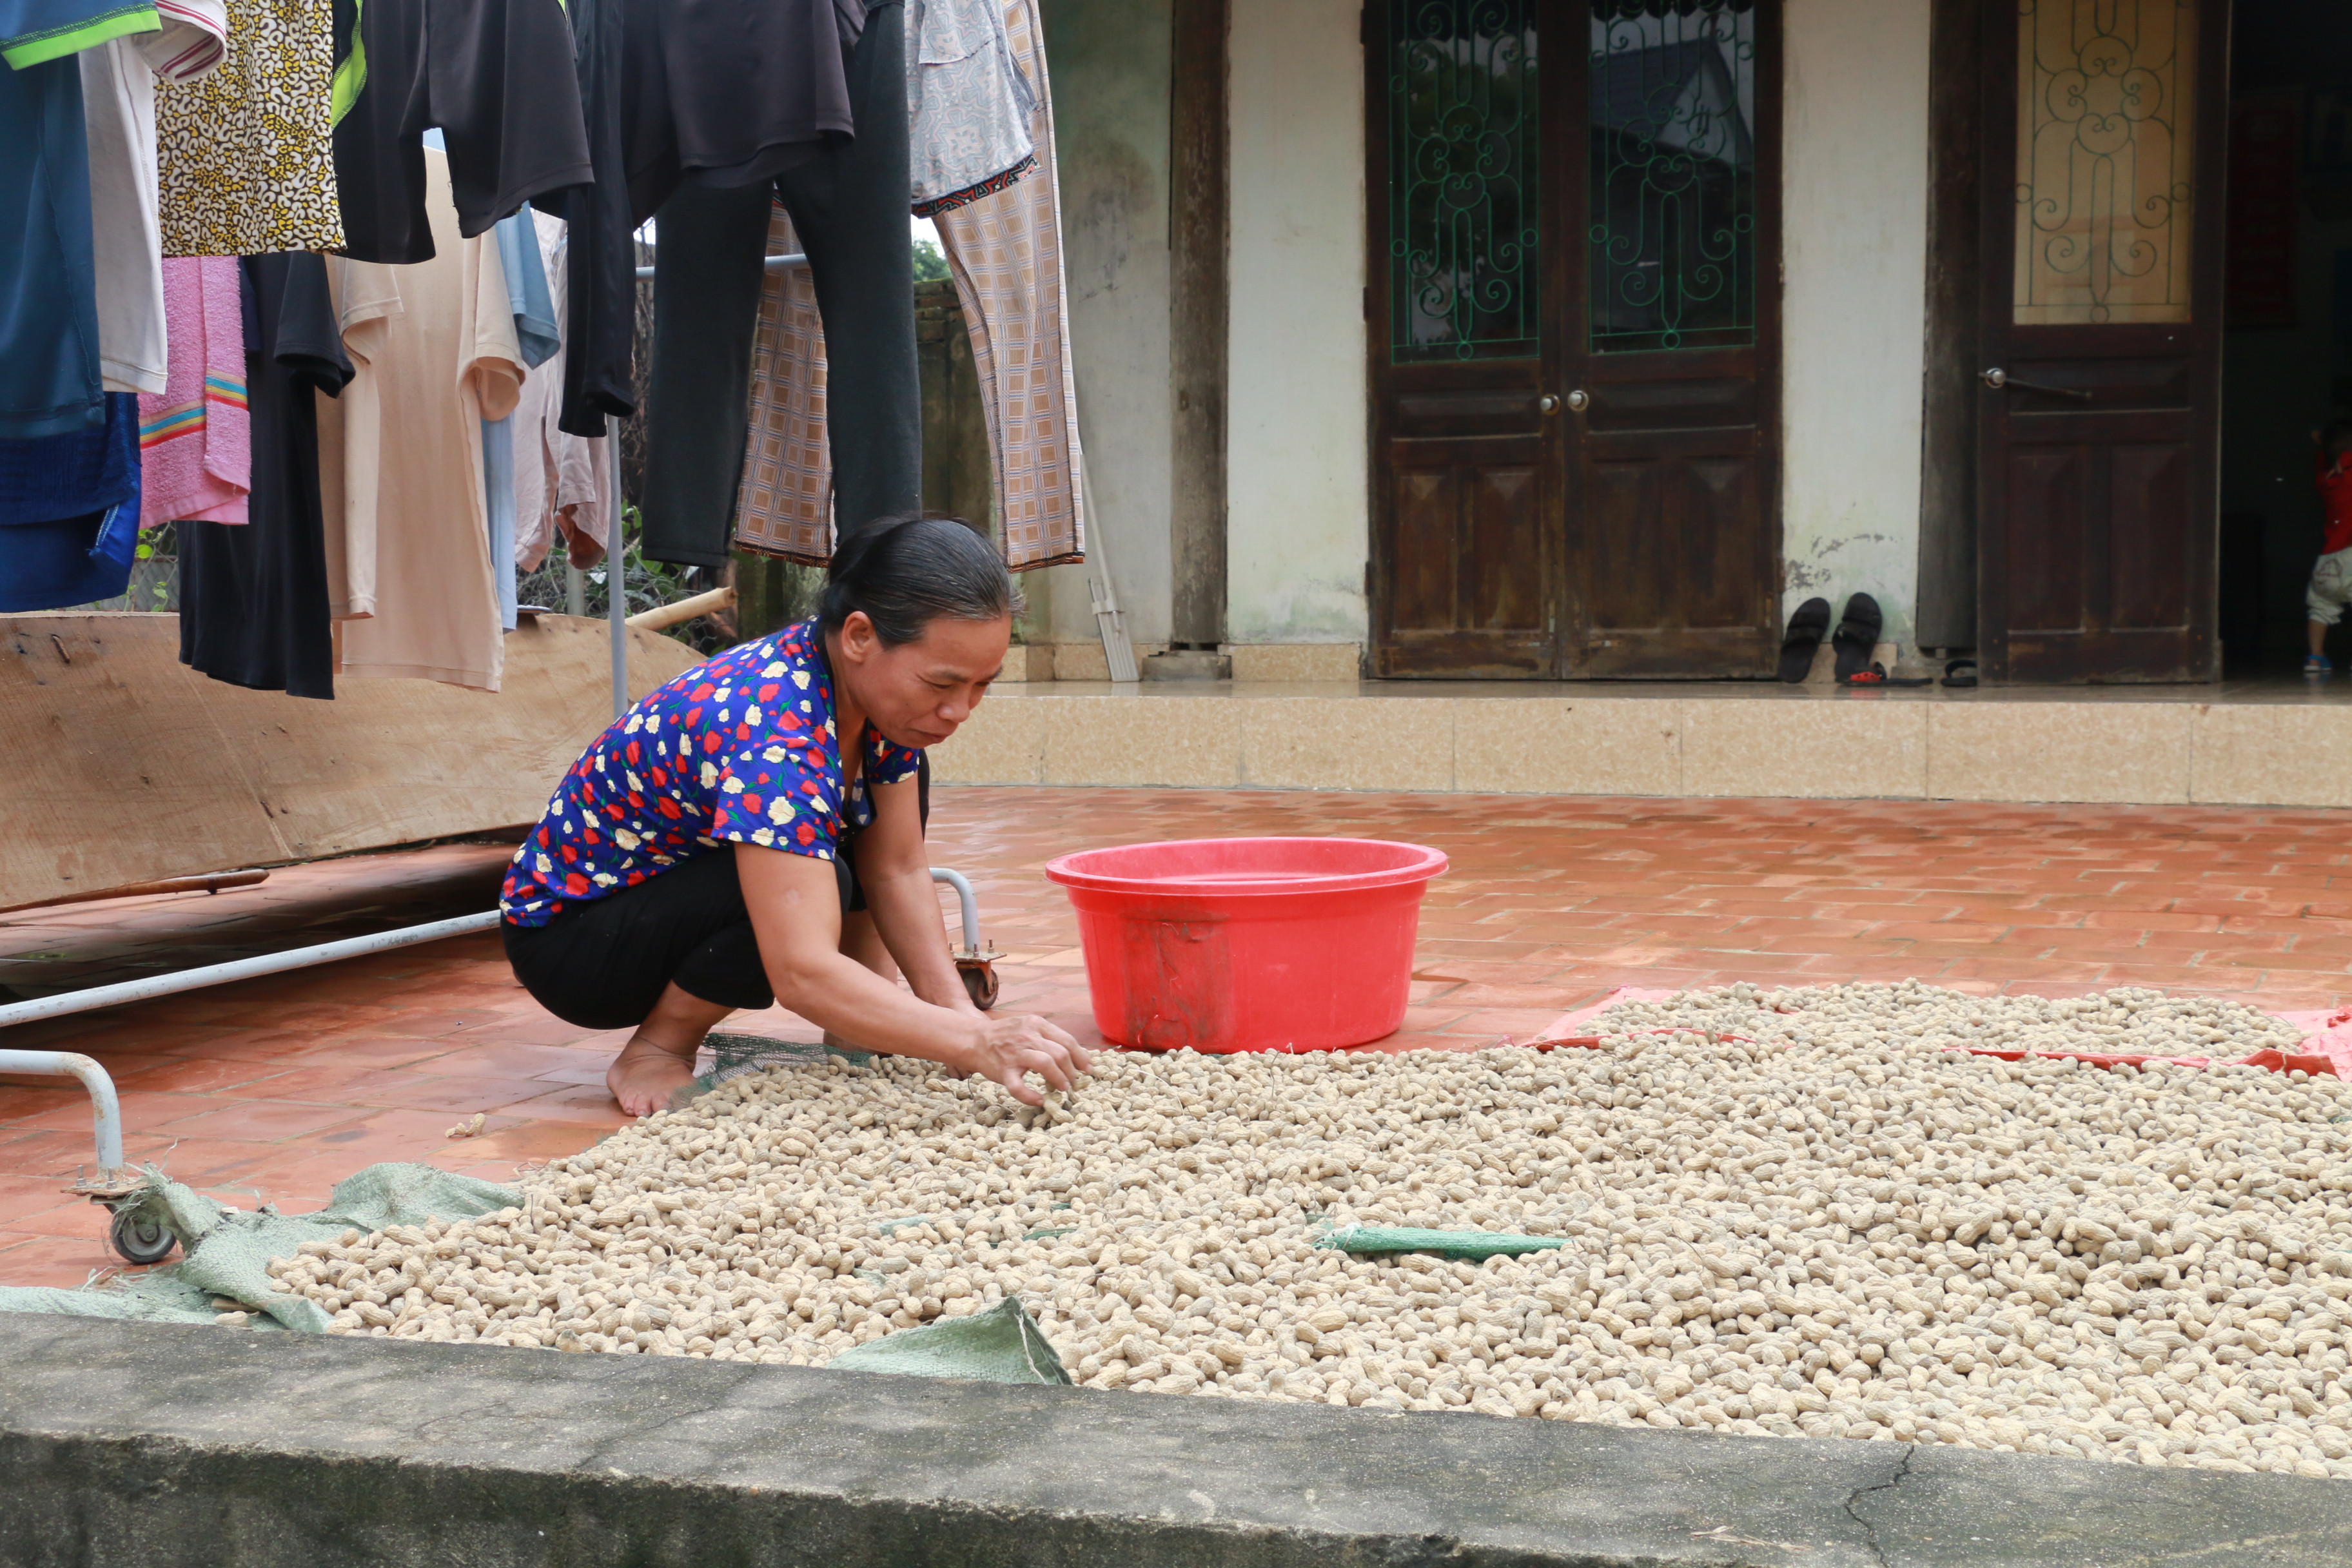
(1574, 336)
(2099, 419)
(1466, 481)
(1672, 358)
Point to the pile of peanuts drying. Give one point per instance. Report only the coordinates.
(1783, 1212)
(2123, 1022)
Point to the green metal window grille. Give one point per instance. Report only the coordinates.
(1464, 264)
(1672, 242)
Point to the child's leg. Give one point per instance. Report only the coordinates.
(2323, 601)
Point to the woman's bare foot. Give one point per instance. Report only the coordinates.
(645, 1074)
(658, 1060)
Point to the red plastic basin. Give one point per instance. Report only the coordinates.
(1248, 944)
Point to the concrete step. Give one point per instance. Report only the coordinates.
(2148, 745)
(164, 1445)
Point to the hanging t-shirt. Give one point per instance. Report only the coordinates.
(49, 372)
(536, 329)
(194, 436)
(726, 94)
(33, 32)
(80, 472)
(600, 312)
(253, 599)
(434, 351)
(499, 516)
(968, 106)
(245, 157)
(118, 102)
(739, 750)
(535, 332)
(118, 105)
(193, 39)
(497, 76)
(70, 506)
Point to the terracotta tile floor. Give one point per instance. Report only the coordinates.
(273, 1089)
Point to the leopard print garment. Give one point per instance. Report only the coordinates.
(247, 155)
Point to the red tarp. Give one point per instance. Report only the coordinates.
(2326, 1038)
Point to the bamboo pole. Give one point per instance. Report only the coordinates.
(662, 616)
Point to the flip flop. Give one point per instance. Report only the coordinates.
(1857, 635)
(1807, 625)
(1953, 676)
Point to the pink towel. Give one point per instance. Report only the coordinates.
(195, 442)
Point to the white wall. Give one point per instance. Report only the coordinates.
(1297, 502)
(1855, 131)
(1856, 188)
(1110, 68)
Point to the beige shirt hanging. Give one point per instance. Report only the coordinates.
(401, 471)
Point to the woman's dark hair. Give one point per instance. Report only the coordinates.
(2337, 436)
(907, 571)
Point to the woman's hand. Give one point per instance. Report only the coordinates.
(796, 911)
(1005, 1049)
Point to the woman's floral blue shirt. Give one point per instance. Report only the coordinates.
(739, 750)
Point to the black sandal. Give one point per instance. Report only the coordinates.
(1806, 629)
(1857, 635)
(1953, 678)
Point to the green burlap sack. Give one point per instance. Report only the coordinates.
(226, 1253)
(1475, 1245)
(1001, 1345)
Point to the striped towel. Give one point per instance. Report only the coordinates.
(196, 444)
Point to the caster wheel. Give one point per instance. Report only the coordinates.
(141, 1240)
(979, 980)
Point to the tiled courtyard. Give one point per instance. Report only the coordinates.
(271, 1089)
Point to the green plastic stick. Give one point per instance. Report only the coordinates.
(1474, 1244)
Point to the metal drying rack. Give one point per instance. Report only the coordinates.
(116, 1186)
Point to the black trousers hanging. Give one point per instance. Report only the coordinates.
(253, 594)
(600, 253)
(850, 206)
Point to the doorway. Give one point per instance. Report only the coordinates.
(2103, 132)
(1575, 337)
(2287, 319)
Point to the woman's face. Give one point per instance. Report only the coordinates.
(920, 693)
